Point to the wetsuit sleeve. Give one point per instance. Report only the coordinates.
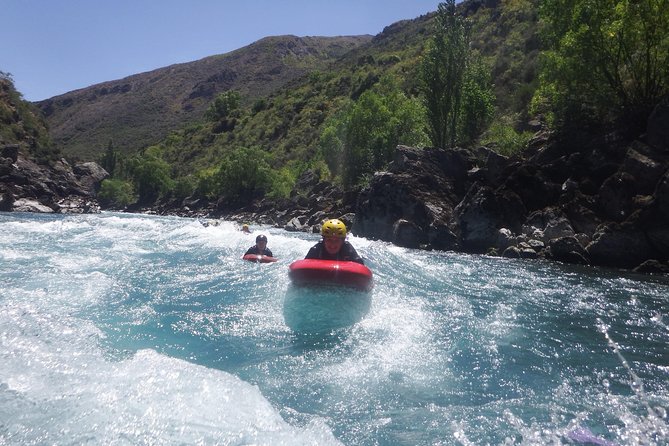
(268, 252)
(314, 253)
(251, 250)
(353, 255)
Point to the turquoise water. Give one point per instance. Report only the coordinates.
(128, 329)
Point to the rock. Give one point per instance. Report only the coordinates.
(295, 224)
(658, 236)
(90, 176)
(512, 252)
(78, 205)
(505, 239)
(566, 249)
(348, 219)
(536, 245)
(26, 205)
(441, 237)
(6, 166)
(10, 151)
(317, 218)
(482, 213)
(408, 235)
(616, 196)
(494, 163)
(658, 126)
(307, 180)
(422, 194)
(520, 252)
(645, 171)
(662, 195)
(535, 190)
(42, 187)
(580, 214)
(619, 246)
(550, 222)
(652, 267)
(6, 202)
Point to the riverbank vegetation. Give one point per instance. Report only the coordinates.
(466, 75)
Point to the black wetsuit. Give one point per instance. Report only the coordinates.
(347, 252)
(255, 250)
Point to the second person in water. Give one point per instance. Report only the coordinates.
(333, 245)
(260, 248)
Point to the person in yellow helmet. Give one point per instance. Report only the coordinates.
(245, 229)
(333, 245)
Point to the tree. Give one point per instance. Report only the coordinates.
(223, 106)
(109, 159)
(116, 193)
(151, 175)
(332, 147)
(443, 72)
(243, 174)
(363, 138)
(607, 59)
(477, 102)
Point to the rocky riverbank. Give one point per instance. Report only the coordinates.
(58, 187)
(601, 202)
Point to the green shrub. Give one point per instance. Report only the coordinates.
(505, 140)
(244, 174)
(151, 175)
(116, 193)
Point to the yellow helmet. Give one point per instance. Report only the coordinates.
(333, 228)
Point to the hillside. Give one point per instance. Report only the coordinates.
(33, 176)
(142, 109)
(21, 123)
(290, 122)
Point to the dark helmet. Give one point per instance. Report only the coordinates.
(261, 238)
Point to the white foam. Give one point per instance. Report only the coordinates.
(54, 374)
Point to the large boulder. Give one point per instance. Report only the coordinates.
(622, 246)
(412, 203)
(547, 224)
(566, 249)
(27, 205)
(645, 170)
(616, 196)
(53, 187)
(90, 176)
(534, 188)
(483, 212)
(408, 234)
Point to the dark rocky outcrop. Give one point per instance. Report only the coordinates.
(26, 186)
(605, 202)
(412, 204)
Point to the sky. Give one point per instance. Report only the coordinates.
(51, 47)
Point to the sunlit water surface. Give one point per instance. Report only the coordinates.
(128, 329)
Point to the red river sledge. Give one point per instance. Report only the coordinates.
(332, 272)
(258, 258)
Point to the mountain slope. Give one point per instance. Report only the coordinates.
(284, 108)
(142, 109)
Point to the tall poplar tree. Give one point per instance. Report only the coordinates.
(443, 72)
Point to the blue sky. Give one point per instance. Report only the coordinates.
(51, 47)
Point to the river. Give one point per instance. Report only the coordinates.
(132, 329)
